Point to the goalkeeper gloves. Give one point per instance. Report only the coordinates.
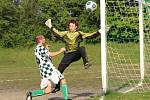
(48, 23)
(99, 30)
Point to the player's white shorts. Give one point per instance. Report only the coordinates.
(55, 78)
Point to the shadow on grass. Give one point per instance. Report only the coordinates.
(74, 96)
(57, 98)
(78, 95)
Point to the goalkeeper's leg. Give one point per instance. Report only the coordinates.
(84, 56)
(65, 62)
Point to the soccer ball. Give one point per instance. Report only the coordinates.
(91, 6)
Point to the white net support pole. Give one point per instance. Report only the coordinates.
(141, 38)
(103, 46)
(141, 34)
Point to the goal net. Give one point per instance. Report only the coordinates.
(147, 7)
(128, 45)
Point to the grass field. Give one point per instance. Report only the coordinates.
(19, 73)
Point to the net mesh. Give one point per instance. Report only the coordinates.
(123, 50)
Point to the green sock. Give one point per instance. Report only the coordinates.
(64, 90)
(38, 93)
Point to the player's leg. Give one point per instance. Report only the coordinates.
(57, 77)
(45, 88)
(65, 62)
(40, 92)
(64, 89)
(84, 56)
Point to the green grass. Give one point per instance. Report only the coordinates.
(19, 63)
(127, 96)
(18, 69)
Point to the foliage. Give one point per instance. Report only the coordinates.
(123, 27)
(22, 20)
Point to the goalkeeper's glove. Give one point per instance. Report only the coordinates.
(106, 29)
(48, 23)
(99, 30)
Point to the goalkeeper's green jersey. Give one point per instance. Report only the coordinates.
(72, 39)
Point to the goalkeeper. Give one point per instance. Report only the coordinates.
(72, 39)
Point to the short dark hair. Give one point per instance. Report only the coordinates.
(74, 21)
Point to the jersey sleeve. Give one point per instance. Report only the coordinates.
(89, 35)
(58, 33)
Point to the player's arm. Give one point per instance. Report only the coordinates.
(58, 33)
(94, 34)
(52, 54)
(90, 35)
(48, 23)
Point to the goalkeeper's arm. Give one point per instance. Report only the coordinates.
(89, 35)
(94, 35)
(97, 33)
(56, 32)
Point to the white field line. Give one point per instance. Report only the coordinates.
(13, 80)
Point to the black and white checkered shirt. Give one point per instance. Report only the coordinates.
(44, 61)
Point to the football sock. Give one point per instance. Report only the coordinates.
(58, 86)
(64, 90)
(37, 93)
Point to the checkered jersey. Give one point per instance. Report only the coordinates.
(44, 61)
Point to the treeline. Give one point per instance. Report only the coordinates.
(22, 20)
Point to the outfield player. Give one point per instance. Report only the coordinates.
(72, 39)
(49, 74)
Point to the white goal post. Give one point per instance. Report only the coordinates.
(125, 47)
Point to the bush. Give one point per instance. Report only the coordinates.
(22, 21)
